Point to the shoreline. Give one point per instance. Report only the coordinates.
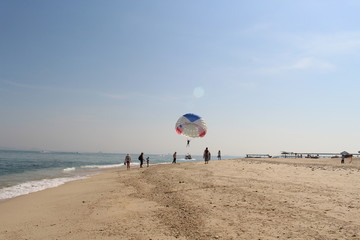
(225, 199)
(45, 170)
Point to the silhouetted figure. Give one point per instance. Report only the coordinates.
(127, 161)
(207, 156)
(174, 158)
(141, 159)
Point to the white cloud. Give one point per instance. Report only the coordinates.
(82, 119)
(113, 96)
(310, 52)
(77, 91)
(257, 28)
(27, 86)
(302, 64)
(325, 44)
(311, 63)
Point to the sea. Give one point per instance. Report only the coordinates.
(24, 172)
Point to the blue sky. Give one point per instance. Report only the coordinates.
(114, 76)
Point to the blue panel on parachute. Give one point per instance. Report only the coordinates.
(192, 117)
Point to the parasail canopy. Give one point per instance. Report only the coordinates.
(191, 125)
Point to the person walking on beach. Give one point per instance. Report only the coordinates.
(127, 161)
(207, 155)
(219, 155)
(147, 161)
(141, 159)
(174, 158)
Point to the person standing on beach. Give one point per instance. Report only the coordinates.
(147, 161)
(174, 158)
(141, 159)
(127, 161)
(219, 155)
(206, 155)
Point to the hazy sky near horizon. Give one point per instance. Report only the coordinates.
(114, 76)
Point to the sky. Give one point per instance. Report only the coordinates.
(114, 76)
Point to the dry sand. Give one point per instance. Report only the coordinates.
(228, 199)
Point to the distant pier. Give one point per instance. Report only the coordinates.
(258, 156)
(303, 155)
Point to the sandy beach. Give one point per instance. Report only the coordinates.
(228, 199)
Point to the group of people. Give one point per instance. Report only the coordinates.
(206, 157)
(127, 160)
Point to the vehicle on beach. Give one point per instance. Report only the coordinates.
(188, 157)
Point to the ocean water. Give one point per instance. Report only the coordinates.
(23, 172)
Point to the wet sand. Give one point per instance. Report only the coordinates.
(227, 199)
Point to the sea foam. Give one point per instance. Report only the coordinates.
(69, 169)
(34, 186)
(102, 166)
